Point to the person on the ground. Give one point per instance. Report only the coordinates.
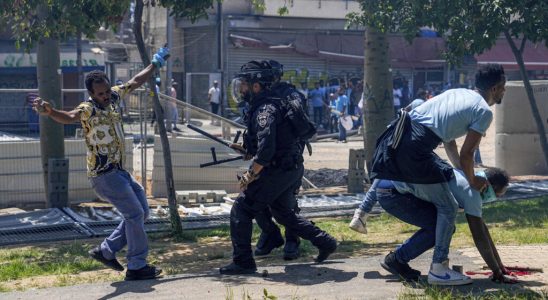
(214, 98)
(104, 137)
(276, 171)
(406, 203)
(405, 151)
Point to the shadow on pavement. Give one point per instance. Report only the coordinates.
(145, 286)
(377, 275)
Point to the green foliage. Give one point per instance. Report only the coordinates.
(471, 27)
(31, 20)
(189, 9)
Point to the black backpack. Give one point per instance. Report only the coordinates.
(294, 106)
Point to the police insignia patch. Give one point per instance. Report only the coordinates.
(262, 118)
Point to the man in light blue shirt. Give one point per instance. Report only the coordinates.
(409, 204)
(316, 97)
(341, 107)
(405, 151)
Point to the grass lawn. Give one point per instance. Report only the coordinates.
(66, 263)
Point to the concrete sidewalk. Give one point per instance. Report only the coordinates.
(355, 278)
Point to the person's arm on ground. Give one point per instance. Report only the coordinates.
(60, 116)
(487, 249)
(471, 142)
(453, 153)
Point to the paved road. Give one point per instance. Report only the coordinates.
(356, 278)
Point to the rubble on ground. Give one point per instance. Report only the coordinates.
(327, 177)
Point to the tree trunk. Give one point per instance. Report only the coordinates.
(52, 144)
(174, 214)
(79, 69)
(530, 96)
(378, 107)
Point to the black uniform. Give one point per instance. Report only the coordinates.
(277, 149)
(271, 236)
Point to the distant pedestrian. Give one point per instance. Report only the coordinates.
(214, 97)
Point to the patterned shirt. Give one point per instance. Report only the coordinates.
(103, 133)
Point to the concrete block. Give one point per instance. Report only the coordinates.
(514, 115)
(520, 154)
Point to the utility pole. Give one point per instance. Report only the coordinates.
(169, 38)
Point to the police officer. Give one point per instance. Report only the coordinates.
(275, 172)
(271, 237)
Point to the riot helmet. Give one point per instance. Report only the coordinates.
(250, 73)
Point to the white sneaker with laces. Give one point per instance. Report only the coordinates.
(441, 274)
(358, 223)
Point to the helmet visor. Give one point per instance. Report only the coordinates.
(239, 89)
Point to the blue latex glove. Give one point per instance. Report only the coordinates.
(159, 59)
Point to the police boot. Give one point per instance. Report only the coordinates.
(291, 250)
(328, 247)
(267, 243)
(235, 269)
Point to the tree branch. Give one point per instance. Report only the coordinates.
(522, 46)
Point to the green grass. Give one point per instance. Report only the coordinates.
(441, 293)
(34, 261)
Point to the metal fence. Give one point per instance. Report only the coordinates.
(21, 176)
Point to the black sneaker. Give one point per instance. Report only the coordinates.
(392, 265)
(97, 254)
(234, 269)
(291, 250)
(177, 129)
(146, 272)
(267, 243)
(326, 250)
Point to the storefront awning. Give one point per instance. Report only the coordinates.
(346, 48)
(535, 56)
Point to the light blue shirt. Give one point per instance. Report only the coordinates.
(466, 197)
(341, 104)
(416, 103)
(316, 97)
(451, 114)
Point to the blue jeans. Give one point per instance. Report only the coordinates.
(414, 211)
(342, 132)
(370, 197)
(441, 197)
(120, 189)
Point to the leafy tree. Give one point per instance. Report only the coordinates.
(473, 26)
(44, 23)
(193, 10)
(380, 17)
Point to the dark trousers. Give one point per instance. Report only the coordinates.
(318, 115)
(268, 227)
(414, 211)
(215, 108)
(275, 190)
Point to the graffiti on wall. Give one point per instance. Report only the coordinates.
(18, 60)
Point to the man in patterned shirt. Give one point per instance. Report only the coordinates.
(104, 137)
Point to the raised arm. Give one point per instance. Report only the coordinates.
(158, 60)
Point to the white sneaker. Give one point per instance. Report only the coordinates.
(358, 221)
(440, 274)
